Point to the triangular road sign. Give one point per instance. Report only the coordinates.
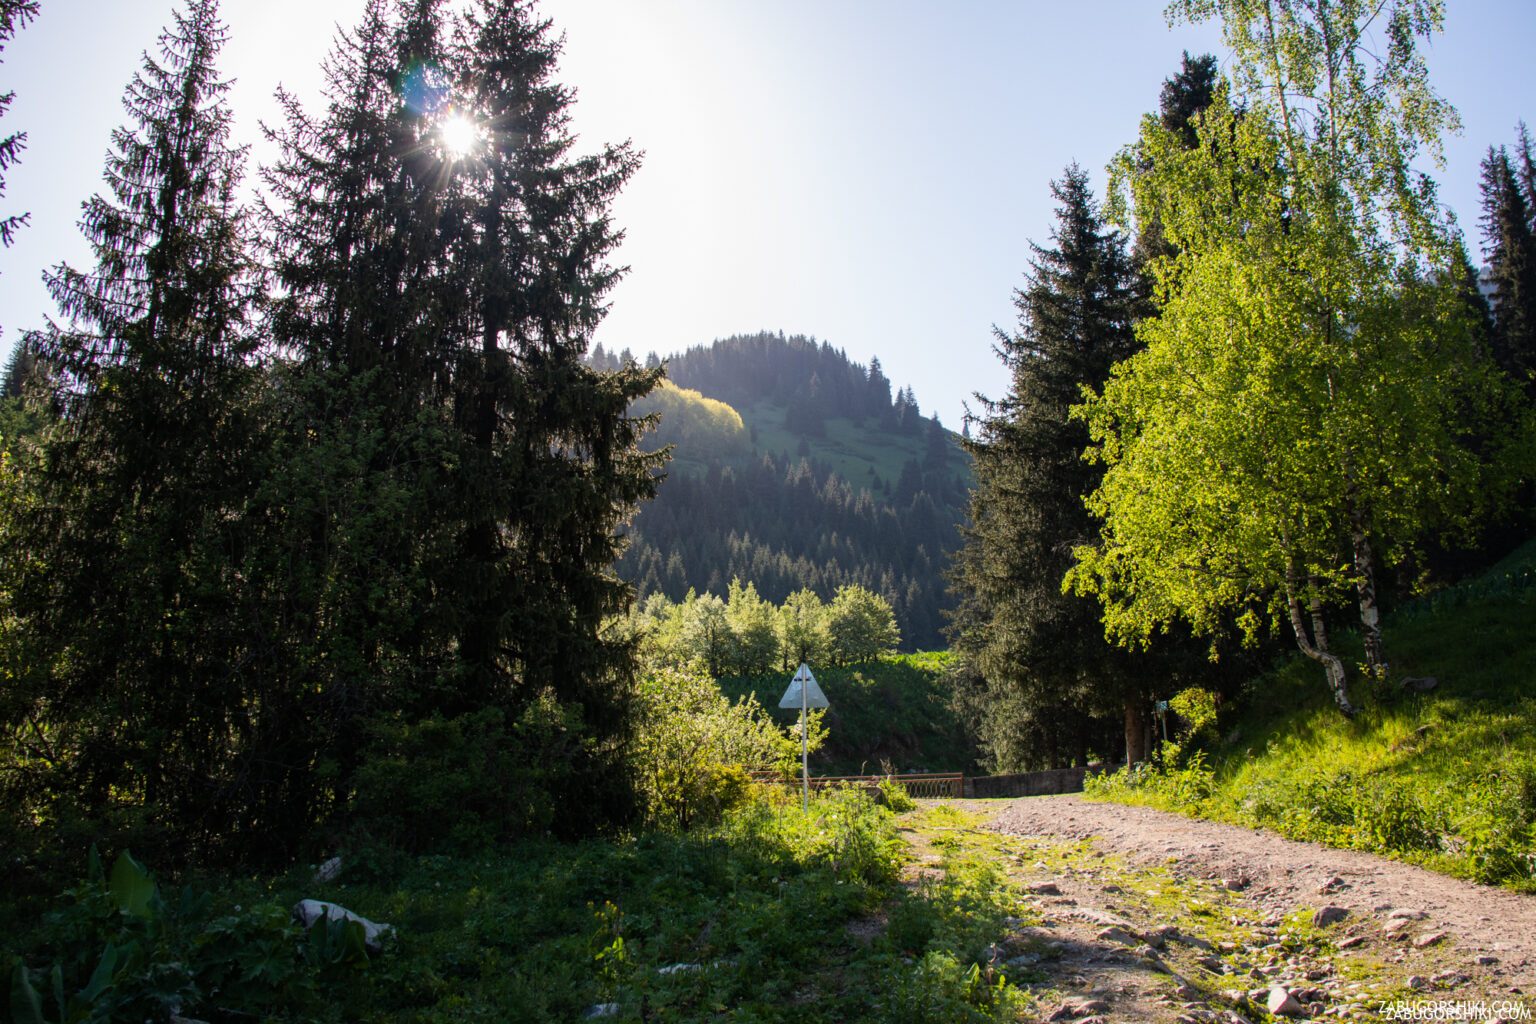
(814, 698)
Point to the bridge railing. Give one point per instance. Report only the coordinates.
(920, 785)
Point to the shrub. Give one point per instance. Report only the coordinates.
(843, 830)
(1196, 709)
(1173, 788)
(694, 747)
(466, 782)
(895, 796)
(120, 951)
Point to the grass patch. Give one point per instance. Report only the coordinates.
(774, 915)
(1444, 778)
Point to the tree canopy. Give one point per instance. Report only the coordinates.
(1304, 403)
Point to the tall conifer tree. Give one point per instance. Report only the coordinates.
(1509, 246)
(1041, 653)
(551, 467)
(14, 15)
(130, 515)
(443, 257)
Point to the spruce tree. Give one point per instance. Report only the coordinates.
(551, 466)
(443, 258)
(1509, 246)
(14, 15)
(130, 511)
(1041, 653)
(369, 311)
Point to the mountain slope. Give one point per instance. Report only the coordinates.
(836, 481)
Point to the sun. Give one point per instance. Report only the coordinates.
(459, 136)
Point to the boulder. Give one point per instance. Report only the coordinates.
(1076, 1009)
(1324, 916)
(1403, 914)
(307, 912)
(1118, 935)
(1282, 1004)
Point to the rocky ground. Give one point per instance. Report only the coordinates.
(1127, 913)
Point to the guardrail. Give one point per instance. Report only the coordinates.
(923, 785)
(955, 785)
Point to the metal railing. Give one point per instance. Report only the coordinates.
(924, 785)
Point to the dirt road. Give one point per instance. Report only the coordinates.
(1151, 916)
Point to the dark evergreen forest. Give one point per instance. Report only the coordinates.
(843, 483)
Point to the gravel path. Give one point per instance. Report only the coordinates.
(1491, 931)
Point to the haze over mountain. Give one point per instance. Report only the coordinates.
(795, 467)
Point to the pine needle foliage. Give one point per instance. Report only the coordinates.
(127, 516)
(1041, 653)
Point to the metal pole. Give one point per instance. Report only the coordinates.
(805, 770)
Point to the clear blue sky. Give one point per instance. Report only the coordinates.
(865, 171)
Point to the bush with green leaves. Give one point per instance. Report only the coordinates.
(694, 748)
(939, 989)
(466, 782)
(894, 796)
(1171, 786)
(1196, 711)
(119, 950)
(843, 829)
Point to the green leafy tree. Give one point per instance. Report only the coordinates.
(1038, 651)
(1184, 97)
(752, 621)
(1302, 406)
(132, 517)
(860, 626)
(802, 629)
(705, 638)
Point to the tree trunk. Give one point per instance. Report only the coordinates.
(1135, 731)
(1365, 587)
(1365, 578)
(1319, 624)
(1330, 662)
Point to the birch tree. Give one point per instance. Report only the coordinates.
(1302, 408)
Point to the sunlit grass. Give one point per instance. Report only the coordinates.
(1444, 778)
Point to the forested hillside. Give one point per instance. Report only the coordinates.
(812, 474)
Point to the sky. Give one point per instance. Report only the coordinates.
(868, 172)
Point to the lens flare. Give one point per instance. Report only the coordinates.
(459, 135)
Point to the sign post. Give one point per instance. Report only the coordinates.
(803, 693)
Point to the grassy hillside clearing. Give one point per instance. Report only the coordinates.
(776, 915)
(1442, 776)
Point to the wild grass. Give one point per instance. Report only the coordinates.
(1445, 778)
(774, 915)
